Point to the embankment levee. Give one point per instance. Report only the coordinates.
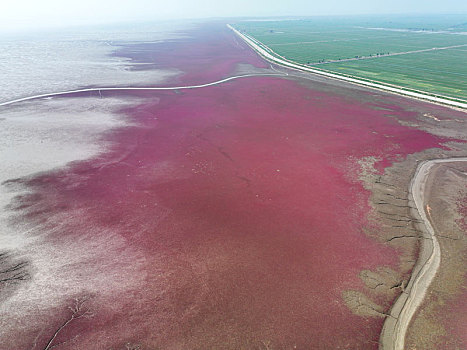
(396, 325)
(269, 55)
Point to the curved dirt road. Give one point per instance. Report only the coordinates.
(396, 325)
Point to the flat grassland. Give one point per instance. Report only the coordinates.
(424, 53)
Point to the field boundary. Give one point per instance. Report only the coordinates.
(271, 56)
(372, 57)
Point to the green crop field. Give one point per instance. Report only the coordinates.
(425, 53)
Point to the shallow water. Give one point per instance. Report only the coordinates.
(38, 63)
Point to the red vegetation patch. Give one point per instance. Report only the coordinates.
(209, 52)
(238, 199)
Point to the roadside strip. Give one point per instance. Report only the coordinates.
(269, 55)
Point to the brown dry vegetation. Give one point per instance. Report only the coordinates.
(447, 188)
(393, 221)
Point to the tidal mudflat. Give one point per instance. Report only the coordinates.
(260, 213)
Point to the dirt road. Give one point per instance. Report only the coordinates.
(396, 325)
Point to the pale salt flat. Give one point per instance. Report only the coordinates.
(46, 135)
(42, 136)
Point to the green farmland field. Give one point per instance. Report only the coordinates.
(327, 42)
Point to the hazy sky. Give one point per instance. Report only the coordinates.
(30, 14)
